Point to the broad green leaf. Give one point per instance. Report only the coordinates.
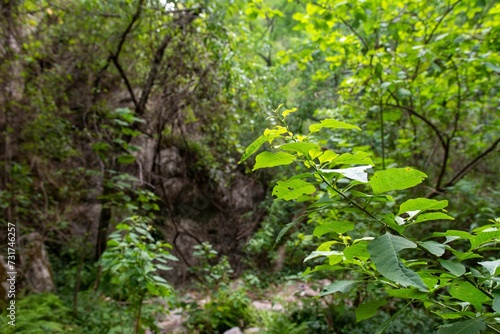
(339, 286)
(496, 301)
(327, 156)
(472, 326)
(301, 147)
(369, 309)
(332, 124)
(454, 315)
(384, 253)
(407, 293)
(292, 189)
(358, 250)
(491, 266)
(334, 226)
(316, 254)
(454, 267)
(383, 326)
(273, 159)
(126, 159)
(389, 219)
(353, 173)
(422, 204)
(288, 111)
(429, 279)
(467, 292)
(358, 158)
(269, 135)
(483, 238)
(453, 233)
(395, 179)
(433, 216)
(433, 247)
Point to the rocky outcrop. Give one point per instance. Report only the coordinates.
(35, 264)
(204, 205)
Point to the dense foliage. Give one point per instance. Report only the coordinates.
(122, 124)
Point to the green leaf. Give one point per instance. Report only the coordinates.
(335, 226)
(407, 293)
(433, 247)
(358, 158)
(332, 124)
(273, 159)
(384, 253)
(327, 156)
(453, 235)
(496, 301)
(126, 159)
(383, 326)
(396, 179)
(315, 254)
(472, 326)
(433, 216)
(339, 286)
(301, 147)
(454, 267)
(369, 309)
(467, 292)
(288, 111)
(491, 266)
(422, 204)
(268, 136)
(484, 237)
(358, 250)
(292, 189)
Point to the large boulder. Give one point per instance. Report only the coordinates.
(35, 264)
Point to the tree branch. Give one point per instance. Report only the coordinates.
(461, 173)
(425, 120)
(125, 79)
(355, 33)
(116, 54)
(157, 59)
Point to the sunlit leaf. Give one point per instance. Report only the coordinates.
(301, 147)
(396, 179)
(422, 204)
(333, 226)
(273, 159)
(332, 124)
(292, 189)
(467, 292)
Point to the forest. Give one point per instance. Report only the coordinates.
(249, 166)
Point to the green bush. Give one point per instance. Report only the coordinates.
(40, 314)
(225, 309)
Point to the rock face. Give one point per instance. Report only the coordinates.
(36, 265)
(202, 204)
